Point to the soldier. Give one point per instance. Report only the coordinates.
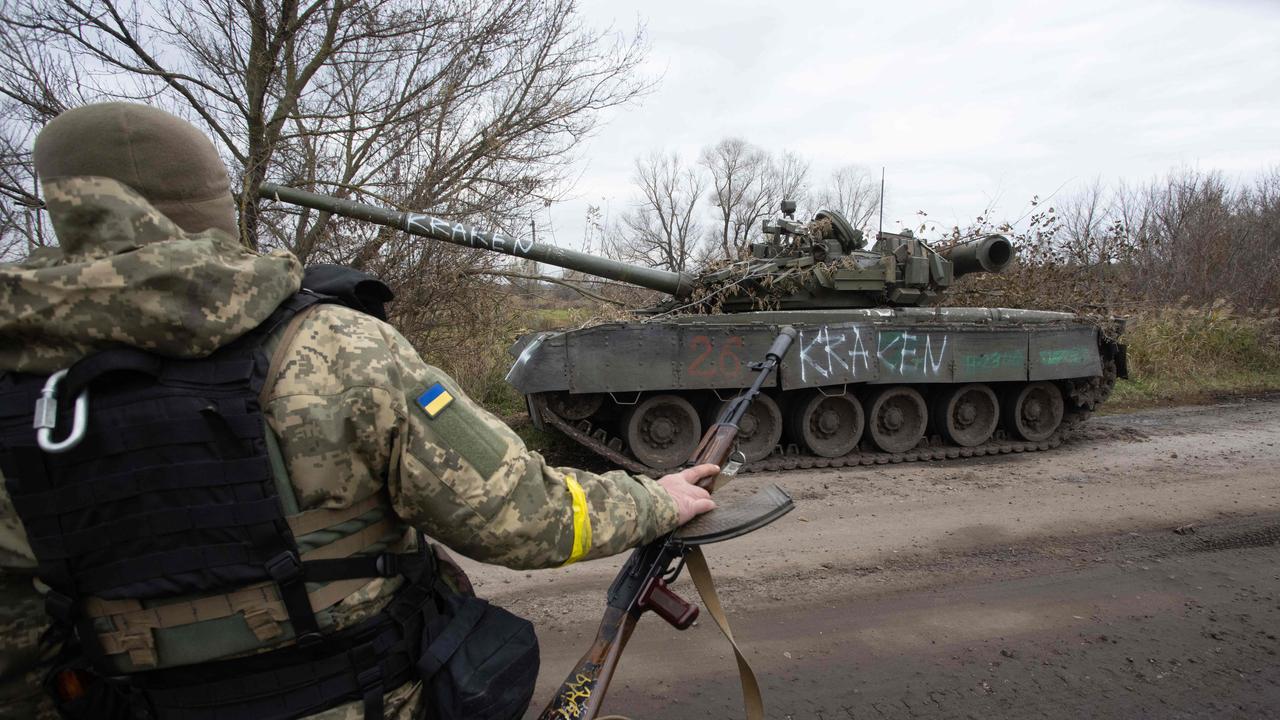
(168, 532)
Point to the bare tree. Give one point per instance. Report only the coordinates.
(466, 108)
(662, 230)
(23, 227)
(35, 85)
(747, 184)
(788, 179)
(1091, 227)
(855, 193)
(469, 108)
(739, 173)
(1204, 239)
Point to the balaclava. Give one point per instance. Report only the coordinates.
(164, 158)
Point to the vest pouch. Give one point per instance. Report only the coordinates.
(80, 693)
(478, 661)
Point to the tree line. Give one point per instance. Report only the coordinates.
(1191, 237)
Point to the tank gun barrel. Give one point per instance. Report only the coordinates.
(679, 284)
(992, 253)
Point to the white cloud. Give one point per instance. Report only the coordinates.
(962, 105)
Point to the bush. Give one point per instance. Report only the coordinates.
(1201, 342)
(477, 341)
(1186, 353)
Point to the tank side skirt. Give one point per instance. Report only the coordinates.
(877, 355)
(1090, 394)
(639, 357)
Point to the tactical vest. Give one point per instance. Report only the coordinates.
(168, 535)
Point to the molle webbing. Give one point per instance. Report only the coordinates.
(171, 493)
(310, 521)
(359, 663)
(126, 626)
(157, 446)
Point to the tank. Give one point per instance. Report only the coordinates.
(882, 371)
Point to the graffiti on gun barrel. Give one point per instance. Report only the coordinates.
(470, 235)
(848, 353)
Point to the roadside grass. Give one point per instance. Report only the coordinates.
(1143, 393)
(1185, 355)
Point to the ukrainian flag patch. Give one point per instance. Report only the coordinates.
(434, 400)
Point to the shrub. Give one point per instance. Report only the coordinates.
(1189, 342)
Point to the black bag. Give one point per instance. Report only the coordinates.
(478, 662)
(353, 288)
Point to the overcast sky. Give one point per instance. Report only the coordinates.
(964, 104)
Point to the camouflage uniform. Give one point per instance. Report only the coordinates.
(342, 408)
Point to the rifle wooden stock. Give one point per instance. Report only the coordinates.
(716, 447)
(582, 692)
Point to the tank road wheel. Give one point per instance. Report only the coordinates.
(575, 407)
(966, 415)
(1033, 411)
(662, 431)
(760, 429)
(829, 425)
(897, 417)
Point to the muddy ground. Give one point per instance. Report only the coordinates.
(1021, 586)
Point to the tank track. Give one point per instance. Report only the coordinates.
(599, 442)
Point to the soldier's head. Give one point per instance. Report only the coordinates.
(162, 157)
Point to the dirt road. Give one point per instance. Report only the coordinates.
(1042, 585)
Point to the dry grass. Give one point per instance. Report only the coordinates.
(478, 357)
(1203, 342)
(1187, 354)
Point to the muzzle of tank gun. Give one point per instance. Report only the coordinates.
(992, 253)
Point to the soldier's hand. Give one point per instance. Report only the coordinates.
(691, 500)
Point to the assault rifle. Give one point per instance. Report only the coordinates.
(642, 584)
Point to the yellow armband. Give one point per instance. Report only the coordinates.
(581, 521)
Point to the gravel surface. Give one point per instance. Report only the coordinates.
(1042, 585)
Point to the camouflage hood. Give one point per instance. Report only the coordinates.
(125, 274)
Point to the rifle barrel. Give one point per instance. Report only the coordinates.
(738, 408)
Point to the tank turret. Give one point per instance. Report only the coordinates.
(824, 264)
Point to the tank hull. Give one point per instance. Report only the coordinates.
(589, 378)
(872, 346)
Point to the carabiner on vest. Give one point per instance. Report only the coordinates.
(46, 416)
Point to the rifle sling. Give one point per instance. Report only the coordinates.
(701, 575)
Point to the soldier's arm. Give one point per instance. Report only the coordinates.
(469, 477)
(351, 398)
